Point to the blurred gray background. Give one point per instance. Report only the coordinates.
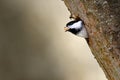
(34, 46)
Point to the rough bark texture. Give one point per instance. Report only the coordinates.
(103, 25)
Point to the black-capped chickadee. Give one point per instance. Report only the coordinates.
(77, 27)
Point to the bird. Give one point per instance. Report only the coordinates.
(77, 27)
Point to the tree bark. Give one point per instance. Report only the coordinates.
(101, 18)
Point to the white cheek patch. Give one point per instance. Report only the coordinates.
(76, 25)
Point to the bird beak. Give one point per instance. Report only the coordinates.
(66, 28)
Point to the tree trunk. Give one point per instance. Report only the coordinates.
(101, 18)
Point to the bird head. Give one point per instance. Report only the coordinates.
(74, 26)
